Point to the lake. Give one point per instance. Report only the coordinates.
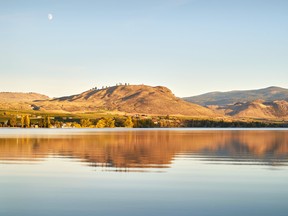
(143, 172)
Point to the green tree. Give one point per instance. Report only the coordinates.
(128, 122)
(144, 123)
(119, 122)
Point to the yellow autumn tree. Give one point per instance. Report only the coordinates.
(128, 122)
(13, 121)
(22, 121)
(110, 122)
(27, 121)
(85, 123)
(101, 123)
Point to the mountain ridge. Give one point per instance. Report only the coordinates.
(19, 100)
(157, 100)
(142, 99)
(258, 109)
(271, 93)
(22, 96)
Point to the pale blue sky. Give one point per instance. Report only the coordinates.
(190, 46)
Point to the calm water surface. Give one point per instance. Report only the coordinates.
(143, 172)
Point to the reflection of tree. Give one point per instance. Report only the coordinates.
(149, 148)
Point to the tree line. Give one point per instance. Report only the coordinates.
(25, 121)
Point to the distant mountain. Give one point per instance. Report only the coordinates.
(224, 98)
(258, 109)
(21, 97)
(140, 99)
(19, 100)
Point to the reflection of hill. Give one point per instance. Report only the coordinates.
(149, 148)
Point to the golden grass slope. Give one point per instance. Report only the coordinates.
(272, 93)
(132, 99)
(19, 100)
(259, 109)
(21, 97)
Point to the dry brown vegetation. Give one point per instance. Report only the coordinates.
(131, 99)
(21, 97)
(19, 100)
(257, 109)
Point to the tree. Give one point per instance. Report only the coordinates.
(58, 124)
(143, 123)
(119, 122)
(22, 121)
(27, 121)
(110, 122)
(101, 123)
(128, 122)
(75, 125)
(48, 122)
(85, 122)
(13, 121)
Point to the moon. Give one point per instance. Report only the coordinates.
(50, 16)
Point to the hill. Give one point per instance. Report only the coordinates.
(141, 99)
(224, 98)
(21, 97)
(258, 109)
(19, 100)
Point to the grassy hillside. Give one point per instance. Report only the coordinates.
(231, 97)
(133, 99)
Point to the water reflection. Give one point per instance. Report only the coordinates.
(150, 149)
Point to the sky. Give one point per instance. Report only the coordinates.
(189, 46)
